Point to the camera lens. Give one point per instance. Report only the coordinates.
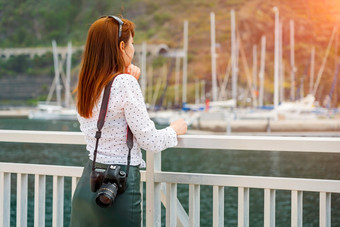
(106, 194)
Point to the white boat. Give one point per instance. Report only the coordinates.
(298, 110)
(165, 117)
(255, 114)
(301, 109)
(52, 111)
(231, 103)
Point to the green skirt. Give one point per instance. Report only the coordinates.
(125, 210)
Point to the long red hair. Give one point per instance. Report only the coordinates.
(102, 60)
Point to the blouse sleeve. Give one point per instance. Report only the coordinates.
(137, 117)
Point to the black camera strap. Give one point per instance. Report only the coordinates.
(100, 124)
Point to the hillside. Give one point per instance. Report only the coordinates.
(28, 23)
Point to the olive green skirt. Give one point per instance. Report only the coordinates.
(125, 210)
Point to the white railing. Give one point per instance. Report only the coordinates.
(161, 187)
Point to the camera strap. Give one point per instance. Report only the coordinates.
(100, 124)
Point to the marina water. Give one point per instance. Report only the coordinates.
(252, 163)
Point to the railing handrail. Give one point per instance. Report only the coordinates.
(278, 183)
(263, 143)
(51, 170)
(40, 169)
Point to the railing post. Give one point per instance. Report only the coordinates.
(22, 187)
(218, 206)
(153, 190)
(194, 205)
(325, 209)
(269, 207)
(58, 201)
(171, 205)
(182, 216)
(74, 185)
(39, 200)
(142, 199)
(296, 211)
(5, 199)
(243, 207)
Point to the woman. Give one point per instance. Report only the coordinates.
(108, 54)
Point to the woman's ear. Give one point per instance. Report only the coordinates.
(121, 46)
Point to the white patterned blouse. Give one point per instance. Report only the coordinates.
(126, 106)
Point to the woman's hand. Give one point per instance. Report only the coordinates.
(133, 71)
(180, 126)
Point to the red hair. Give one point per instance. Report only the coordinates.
(102, 60)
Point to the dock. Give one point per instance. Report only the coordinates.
(319, 125)
(15, 113)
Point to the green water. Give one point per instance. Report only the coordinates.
(254, 163)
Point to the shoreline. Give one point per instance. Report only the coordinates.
(15, 113)
(268, 126)
(239, 127)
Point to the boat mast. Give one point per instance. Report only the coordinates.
(185, 62)
(333, 86)
(254, 74)
(197, 91)
(233, 56)
(276, 60)
(262, 67)
(178, 62)
(292, 62)
(324, 60)
(56, 72)
(150, 93)
(143, 69)
(282, 74)
(202, 91)
(336, 51)
(213, 57)
(311, 77)
(68, 75)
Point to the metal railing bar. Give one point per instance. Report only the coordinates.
(211, 142)
(263, 143)
(22, 188)
(142, 175)
(297, 208)
(279, 183)
(182, 216)
(141, 189)
(269, 207)
(39, 200)
(58, 201)
(243, 207)
(171, 205)
(325, 209)
(74, 185)
(5, 197)
(153, 190)
(54, 137)
(194, 205)
(218, 206)
(53, 170)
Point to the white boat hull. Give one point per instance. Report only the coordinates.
(53, 112)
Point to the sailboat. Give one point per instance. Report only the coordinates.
(52, 111)
(55, 110)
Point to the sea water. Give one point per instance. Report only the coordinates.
(252, 163)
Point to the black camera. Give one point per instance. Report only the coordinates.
(108, 183)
